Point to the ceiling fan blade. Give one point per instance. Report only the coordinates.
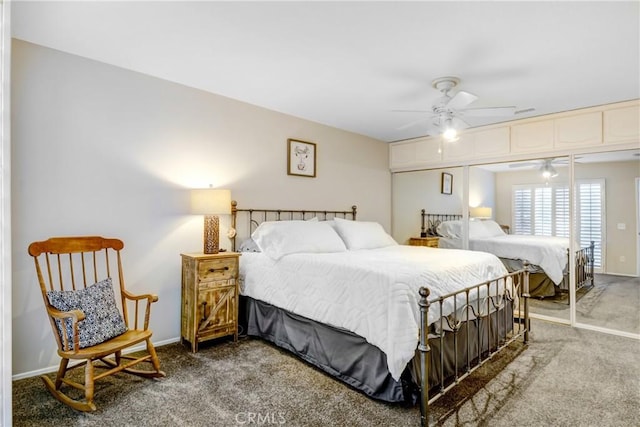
(413, 123)
(458, 123)
(461, 99)
(522, 165)
(411, 111)
(488, 112)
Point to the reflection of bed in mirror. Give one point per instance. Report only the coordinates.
(399, 323)
(547, 256)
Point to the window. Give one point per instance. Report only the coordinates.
(543, 210)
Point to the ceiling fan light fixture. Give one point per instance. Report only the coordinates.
(450, 134)
(548, 171)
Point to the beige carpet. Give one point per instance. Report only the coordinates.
(614, 303)
(565, 377)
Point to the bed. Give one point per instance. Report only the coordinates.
(399, 323)
(548, 256)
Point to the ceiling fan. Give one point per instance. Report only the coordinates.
(546, 166)
(448, 112)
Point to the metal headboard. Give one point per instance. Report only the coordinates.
(431, 221)
(252, 218)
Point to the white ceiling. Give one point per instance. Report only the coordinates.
(349, 65)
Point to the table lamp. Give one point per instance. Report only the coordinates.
(480, 212)
(211, 202)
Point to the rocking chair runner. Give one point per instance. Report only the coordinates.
(67, 267)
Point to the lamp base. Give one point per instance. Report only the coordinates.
(211, 234)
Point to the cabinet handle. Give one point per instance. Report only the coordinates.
(204, 311)
(213, 270)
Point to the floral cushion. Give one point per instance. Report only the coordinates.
(102, 321)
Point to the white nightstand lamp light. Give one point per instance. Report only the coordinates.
(211, 202)
(480, 213)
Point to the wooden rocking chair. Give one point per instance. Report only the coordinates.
(67, 267)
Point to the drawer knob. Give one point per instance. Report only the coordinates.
(213, 270)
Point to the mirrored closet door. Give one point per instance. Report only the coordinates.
(607, 197)
(519, 212)
(436, 191)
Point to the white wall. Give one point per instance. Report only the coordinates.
(102, 150)
(414, 191)
(620, 190)
(417, 190)
(5, 217)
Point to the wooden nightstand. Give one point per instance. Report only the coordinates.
(431, 242)
(209, 297)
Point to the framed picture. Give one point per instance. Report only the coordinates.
(301, 158)
(446, 183)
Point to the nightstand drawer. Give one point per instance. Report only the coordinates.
(431, 242)
(216, 269)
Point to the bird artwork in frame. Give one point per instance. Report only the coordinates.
(301, 158)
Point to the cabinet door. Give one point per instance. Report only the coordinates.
(402, 154)
(461, 149)
(578, 131)
(407, 154)
(622, 125)
(492, 142)
(532, 137)
(216, 310)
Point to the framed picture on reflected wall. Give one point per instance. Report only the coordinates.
(301, 158)
(446, 183)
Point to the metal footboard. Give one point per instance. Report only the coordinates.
(584, 265)
(504, 326)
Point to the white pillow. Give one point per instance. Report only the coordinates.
(477, 230)
(493, 229)
(279, 238)
(450, 229)
(362, 234)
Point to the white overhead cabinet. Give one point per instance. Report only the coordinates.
(532, 137)
(622, 124)
(415, 153)
(556, 134)
(565, 132)
(478, 144)
(580, 130)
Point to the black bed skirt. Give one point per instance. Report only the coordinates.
(338, 352)
(350, 358)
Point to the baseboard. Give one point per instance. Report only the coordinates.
(51, 369)
(620, 274)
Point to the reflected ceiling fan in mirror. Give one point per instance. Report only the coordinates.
(447, 113)
(546, 166)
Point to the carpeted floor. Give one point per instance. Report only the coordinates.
(565, 377)
(614, 303)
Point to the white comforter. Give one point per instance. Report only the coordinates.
(550, 253)
(373, 293)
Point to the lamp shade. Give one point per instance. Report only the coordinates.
(480, 212)
(210, 201)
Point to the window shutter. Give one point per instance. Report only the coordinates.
(522, 223)
(561, 210)
(543, 210)
(543, 214)
(590, 216)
